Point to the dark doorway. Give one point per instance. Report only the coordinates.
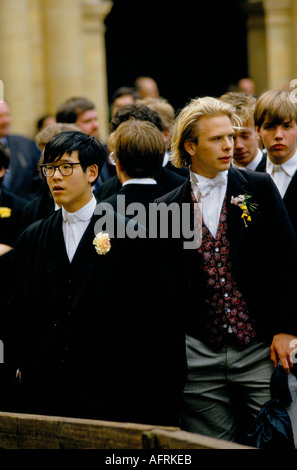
(191, 48)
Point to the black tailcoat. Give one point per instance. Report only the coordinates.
(290, 201)
(97, 337)
(10, 227)
(167, 179)
(290, 196)
(264, 256)
(141, 193)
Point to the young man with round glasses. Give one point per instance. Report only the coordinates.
(81, 351)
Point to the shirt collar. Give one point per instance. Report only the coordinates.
(289, 167)
(202, 185)
(196, 178)
(166, 158)
(140, 181)
(83, 214)
(252, 165)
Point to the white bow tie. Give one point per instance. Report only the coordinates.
(206, 186)
(68, 217)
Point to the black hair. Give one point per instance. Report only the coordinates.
(90, 150)
(41, 120)
(138, 111)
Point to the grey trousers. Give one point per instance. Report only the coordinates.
(228, 387)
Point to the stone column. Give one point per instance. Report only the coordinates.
(37, 58)
(63, 51)
(279, 42)
(256, 42)
(16, 65)
(95, 79)
(294, 39)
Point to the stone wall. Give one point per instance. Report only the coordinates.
(51, 50)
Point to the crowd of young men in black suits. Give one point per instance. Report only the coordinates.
(137, 329)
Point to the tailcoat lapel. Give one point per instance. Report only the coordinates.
(84, 260)
(290, 194)
(183, 196)
(237, 185)
(56, 256)
(57, 259)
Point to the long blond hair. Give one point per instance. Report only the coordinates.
(186, 125)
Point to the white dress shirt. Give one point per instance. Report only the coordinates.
(75, 224)
(252, 165)
(211, 196)
(166, 158)
(139, 181)
(282, 174)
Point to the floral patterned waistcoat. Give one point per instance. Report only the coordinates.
(226, 309)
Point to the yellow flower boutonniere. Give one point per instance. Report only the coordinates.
(5, 212)
(246, 206)
(102, 243)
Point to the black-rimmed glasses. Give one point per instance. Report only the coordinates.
(66, 169)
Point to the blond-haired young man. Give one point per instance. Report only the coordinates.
(239, 284)
(247, 152)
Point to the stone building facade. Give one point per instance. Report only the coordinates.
(272, 43)
(51, 50)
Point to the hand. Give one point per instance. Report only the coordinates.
(280, 350)
(4, 249)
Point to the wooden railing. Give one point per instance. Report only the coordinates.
(24, 431)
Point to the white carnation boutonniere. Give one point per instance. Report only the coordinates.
(5, 212)
(245, 205)
(102, 243)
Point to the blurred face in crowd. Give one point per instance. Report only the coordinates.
(88, 123)
(121, 101)
(48, 121)
(148, 88)
(246, 145)
(246, 85)
(214, 150)
(279, 140)
(5, 119)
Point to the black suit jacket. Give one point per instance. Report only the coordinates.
(180, 171)
(37, 208)
(10, 227)
(167, 179)
(142, 193)
(262, 165)
(290, 196)
(98, 335)
(290, 201)
(24, 157)
(264, 256)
